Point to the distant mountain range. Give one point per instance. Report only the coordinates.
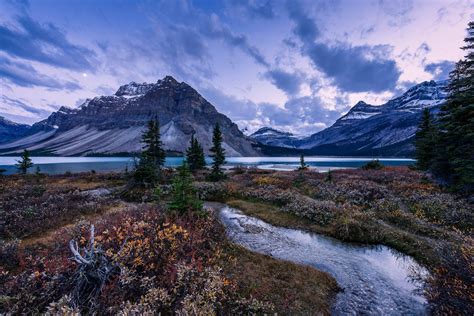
(114, 124)
(273, 137)
(368, 130)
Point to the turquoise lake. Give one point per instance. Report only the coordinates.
(59, 165)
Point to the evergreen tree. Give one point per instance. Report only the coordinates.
(218, 155)
(201, 159)
(303, 165)
(455, 151)
(152, 158)
(184, 196)
(195, 155)
(425, 140)
(25, 163)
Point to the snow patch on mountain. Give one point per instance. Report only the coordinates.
(112, 124)
(386, 129)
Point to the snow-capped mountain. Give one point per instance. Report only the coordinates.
(272, 137)
(386, 129)
(10, 130)
(114, 124)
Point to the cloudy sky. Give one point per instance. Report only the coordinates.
(296, 65)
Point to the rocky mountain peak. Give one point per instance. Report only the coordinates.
(133, 89)
(425, 94)
(169, 80)
(111, 124)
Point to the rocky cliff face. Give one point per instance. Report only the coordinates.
(114, 124)
(10, 130)
(366, 130)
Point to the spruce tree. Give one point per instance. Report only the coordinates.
(25, 163)
(152, 158)
(201, 159)
(455, 151)
(218, 155)
(303, 165)
(184, 196)
(195, 155)
(425, 140)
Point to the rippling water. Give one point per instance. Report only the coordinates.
(58, 165)
(375, 280)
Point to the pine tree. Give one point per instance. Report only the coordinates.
(195, 155)
(218, 155)
(455, 151)
(184, 196)
(201, 159)
(152, 158)
(25, 163)
(425, 140)
(303, 165)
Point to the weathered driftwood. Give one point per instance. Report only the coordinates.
(93, 271)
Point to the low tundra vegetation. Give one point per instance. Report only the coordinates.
(84, 250)
(394, 206)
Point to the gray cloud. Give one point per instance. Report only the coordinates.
(237, 109)
(255, 8)
(216, 30)
(104, 90)
(311, 110)
(353, 68)
(25, 75)
(44, 43)
(15, 103)
(398, 11)
(303, 115)
(305, 27)
(287, 82)
(440, 70)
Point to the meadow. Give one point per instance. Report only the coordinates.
(151, 259)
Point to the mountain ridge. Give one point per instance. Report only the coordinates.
(10, 130)
(115, 123)
(374, 130)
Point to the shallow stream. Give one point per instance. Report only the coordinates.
(376, 280)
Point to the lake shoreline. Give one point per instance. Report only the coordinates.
(61, 165)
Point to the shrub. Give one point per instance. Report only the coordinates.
(373, 165)
(9, 256)
(212, 191)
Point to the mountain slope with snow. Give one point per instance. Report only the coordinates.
(10, 130)
(386, 129)
(114, 124)
(272, 137)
